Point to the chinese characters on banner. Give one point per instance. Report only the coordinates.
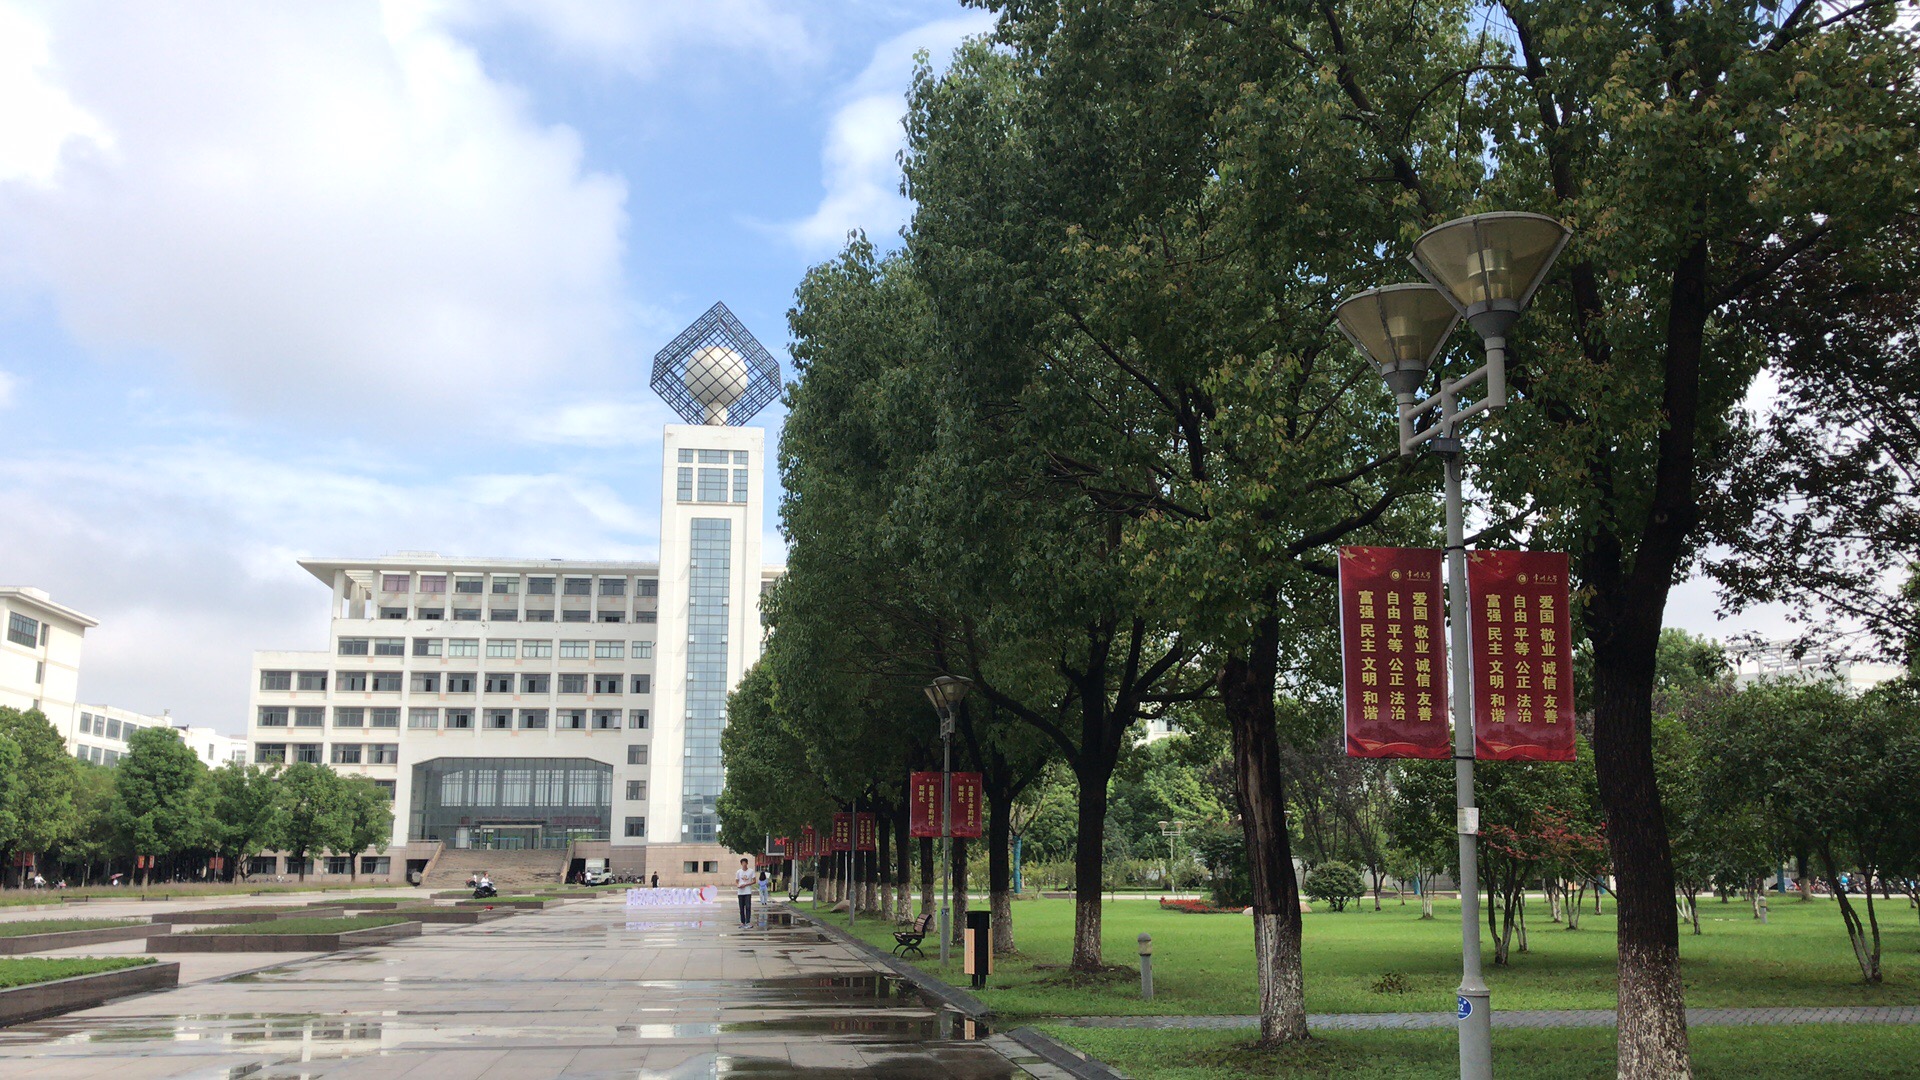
(808, 848)
(1522, 655)
(842, 833)
(967, 804)
(1394, 665)
(865, 833)
(923, 804)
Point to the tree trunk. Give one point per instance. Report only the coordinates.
(1865, 952)
(959, 889)
(1246, 691)
(1426, 896)
(1000, 872)
(903, 866)
(1090, 833)
(927, 867)
(883, 866)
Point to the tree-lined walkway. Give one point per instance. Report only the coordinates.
(1519, 1018)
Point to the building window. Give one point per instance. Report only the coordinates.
(739, 485)
(499, 719)
(273, 716)
(643, 650)
(309, 716)
(502, 649)
(643, 684)
(646, 616)
(683, 485)
(353, 646)
(713, 457)
(686, 457)
(535, 684)
(613, 586)
(433, 614)
(504, 614)
(636, 826)
(86, 723)
(637, 755)
(536, 650)
(459, 719)
(270, 753)
(637, 719)
(637, 790)
(393, 583)
(393, 613)
(428, 646)
(649, 586)
(613, 616)
(466, 614)
(112, 757)
(573, 650)
(433, 583)
(540, 615)
(346, 753)
(311, 680)
(467, 585)
(690, 867)
(386, 682)
(423, 719)
(426, 682)
(578, 586)
(22, 630)
(460, 682)
(378, 865)
(113, 729)
(384, 754)
(499, 682)
(533, 719)
(606, 719)
(539, 586)
(606, 684)
(307, 752)
(608, 650)
(389, 646)
(713, 485)
(710, 867)
(463, 647)
(573, 684)
(276, 680)
(739, 457)
(573, 719)
(506, 586)
(352, 717)
(344, 681)
(576, 615)
(39, 675)
(387, 718)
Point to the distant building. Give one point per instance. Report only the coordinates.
(1779, 660)
(40, 656)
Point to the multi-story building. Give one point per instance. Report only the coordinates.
(103, 731)
(40, 655)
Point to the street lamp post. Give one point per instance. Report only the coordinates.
(1172, 830)
(1484, 268)
(946, 692)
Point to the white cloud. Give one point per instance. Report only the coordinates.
(328, 208)
(599, 424)
(636, 38)
(858, 161)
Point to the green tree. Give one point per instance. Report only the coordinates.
(160, 808)
(13, 787)
(1335, 884)
(313, 812)
(246, 805)
(45, 805)
(94, 840)
(368, 820)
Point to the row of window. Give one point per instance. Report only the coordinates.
(503, 648)
(459, 682)
(368, 753)
(107, 727)
(272, 716)
(509, 585)
(97, 755)
(711, 486)
(381, 754)
(571, 615)
(26, 630)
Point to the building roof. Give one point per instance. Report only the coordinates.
(426, 560)
(26, 596)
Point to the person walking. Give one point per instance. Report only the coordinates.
(655, 883)
(744, 882)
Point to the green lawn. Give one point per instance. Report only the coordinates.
(181, 891)
(1732, 1053)
(22, 971)
(55, 926)
(301, 926)
(1202, 963)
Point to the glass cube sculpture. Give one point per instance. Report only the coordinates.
(715, 372)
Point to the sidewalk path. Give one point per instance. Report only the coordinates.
(1518, 1018)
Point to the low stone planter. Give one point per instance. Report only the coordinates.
(456, 916)
(251, 943)
(21, 1003)
(529, 905)
(362, 905)
(64, 939)
(229, 918)
(75, 899)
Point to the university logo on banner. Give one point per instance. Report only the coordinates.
(1393, 662)
(1522, 655)
(968, 804)
(923, 804)
(866, 834)
(842, 833)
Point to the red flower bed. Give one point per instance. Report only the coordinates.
(1196, 907)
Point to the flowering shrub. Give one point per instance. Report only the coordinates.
(1195, 907)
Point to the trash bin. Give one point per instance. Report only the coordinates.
(977, 947)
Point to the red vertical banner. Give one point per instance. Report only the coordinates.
(809, 843)
(866, 834)
(1392, 625)
(968, 804)
(842, 833)
(1522, 655)
(923, 804)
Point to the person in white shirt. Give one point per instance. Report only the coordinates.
(744, 882)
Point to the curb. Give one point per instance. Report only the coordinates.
(37, 1001)
(1062, 1056)
(951, 996)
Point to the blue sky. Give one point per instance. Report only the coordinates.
(351, 278)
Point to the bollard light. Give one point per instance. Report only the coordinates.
(1146, 967)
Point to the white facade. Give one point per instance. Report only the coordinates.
(40, 656)
(102, 731)
(515, 703)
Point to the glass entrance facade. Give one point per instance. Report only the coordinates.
(511, 803)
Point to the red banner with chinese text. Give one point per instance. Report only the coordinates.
(866, 836)
(809, 842)
(842, 833)
(1395, 667)
(923, 804)
(969, 804)
(1522, 655)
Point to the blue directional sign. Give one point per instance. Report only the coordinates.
(1466, 1008)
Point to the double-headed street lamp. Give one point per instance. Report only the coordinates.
(1484, 268)
(1172, 830)
(945, 693)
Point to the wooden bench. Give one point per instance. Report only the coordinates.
(907, 942)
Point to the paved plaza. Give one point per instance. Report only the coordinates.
(590, 989)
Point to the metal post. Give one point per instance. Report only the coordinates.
(1146, 967)
(1476, 1025)
(946, 823)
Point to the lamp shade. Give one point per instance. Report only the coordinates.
(1490, 261)
(1401, 328)
(949, 689)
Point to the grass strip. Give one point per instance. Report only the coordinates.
(27, 970)
(25, 927)
(178, 891)
(298, 926)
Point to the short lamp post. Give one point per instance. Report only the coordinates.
(1484, 268)
(1173, 830)
(946, 692)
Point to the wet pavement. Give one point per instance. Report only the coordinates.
(590, 989)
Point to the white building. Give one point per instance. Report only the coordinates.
(40, 656)
(102, 732)
(553, 705)
(1780, 660)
